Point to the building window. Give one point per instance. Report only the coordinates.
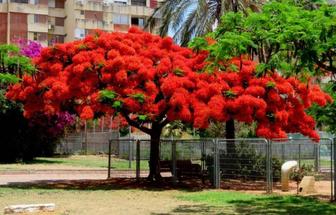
(55, 39)
(120, 19)
(40, 36)
(123, 2)
(138, 2)
(20, 1)
(40, 18)
(138, 21)
(59, 3)
(40, 2)
(59, 21)
(79, 33)
(51, 3)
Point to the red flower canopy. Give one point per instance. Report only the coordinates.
(151, 80)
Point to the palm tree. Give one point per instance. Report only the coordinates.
(192, 18)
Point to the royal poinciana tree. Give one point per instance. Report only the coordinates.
(150, 81)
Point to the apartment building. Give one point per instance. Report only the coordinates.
(57, 21)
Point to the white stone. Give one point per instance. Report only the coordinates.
(29, 208)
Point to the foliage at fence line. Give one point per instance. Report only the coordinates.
(151, 81)
(245, 164)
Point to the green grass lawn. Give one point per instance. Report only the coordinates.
(243, 203)
(323, 163)
(75, 161)
(102, 201)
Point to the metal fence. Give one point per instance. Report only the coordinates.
(86, 142)
(253, 164)
(316, 159)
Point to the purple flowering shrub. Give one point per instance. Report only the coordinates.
(55, 125)
(29, 48)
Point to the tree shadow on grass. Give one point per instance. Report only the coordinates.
(289, 205)
(109, 184)
(263, 205)
(190, 209)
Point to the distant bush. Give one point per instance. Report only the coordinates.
(246, 164)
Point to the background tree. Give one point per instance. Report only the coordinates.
(292, 37)
(189, 18)
(326, 116)
(286, 36)
(150, 81)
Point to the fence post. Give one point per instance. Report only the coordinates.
(137, 161)
(174, 160)
(216, 166)
(268, 166)
(299, 155)
(316, 147)
(130, 153)
(109, 159)
(85, 138)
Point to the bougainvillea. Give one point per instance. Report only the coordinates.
(29, 48)
(151, 81)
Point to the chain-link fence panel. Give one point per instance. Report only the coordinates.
(243, 163)
(306, 166)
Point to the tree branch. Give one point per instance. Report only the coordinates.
(135, 124)
(325, 67)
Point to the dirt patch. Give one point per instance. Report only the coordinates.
(121, 202)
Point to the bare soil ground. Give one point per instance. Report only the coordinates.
(100, 202)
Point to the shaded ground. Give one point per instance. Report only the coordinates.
(78, 185)
(74, 162)
(118, 197)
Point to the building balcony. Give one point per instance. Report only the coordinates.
(89, 5)
(28, 8)
(3, 8)
(38, 27)
(129, 9)
(93, 24)
(56, 12)
(58, 30)
(114, 8)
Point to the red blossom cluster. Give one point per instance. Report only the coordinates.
(150, 79)
(276, 103)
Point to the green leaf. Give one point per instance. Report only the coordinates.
(8, 78)
(142, 117)
(107, 94)
(229, 94)
(139, 97)
(270, 84)
(179, 72)
(117, 104)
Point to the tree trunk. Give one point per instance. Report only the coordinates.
(154, 164)
(230, 135)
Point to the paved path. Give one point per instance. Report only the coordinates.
(10, 177)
